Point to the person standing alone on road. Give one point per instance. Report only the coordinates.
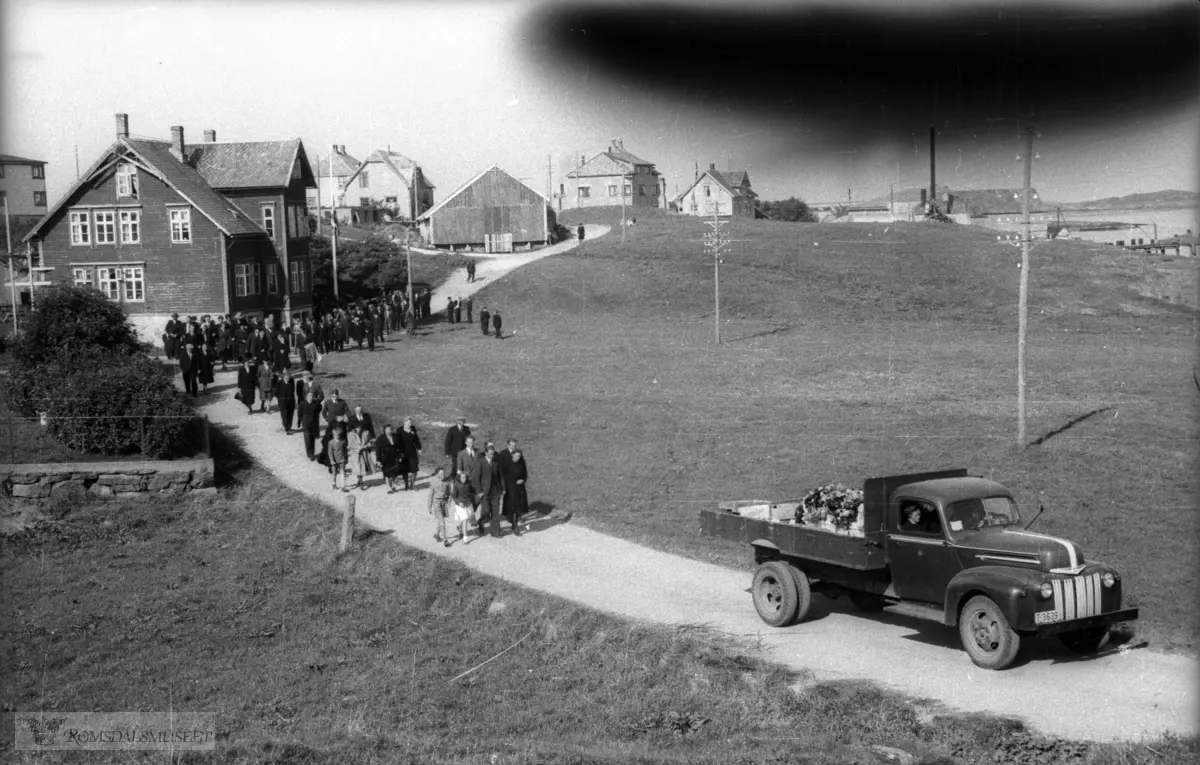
(579, 232)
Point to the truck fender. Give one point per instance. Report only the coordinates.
(1011, 588)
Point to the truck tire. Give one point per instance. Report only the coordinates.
(986, 635)
(1085, 641)
(776, 596)
(803, 593)
(867, 602)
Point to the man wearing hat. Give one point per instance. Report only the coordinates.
(455, 441)
(485, 319)
(169, 335)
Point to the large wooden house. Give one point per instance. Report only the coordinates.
(724, 194)
(387, 186)
(493, 211)
(162, 227)
(609, 177)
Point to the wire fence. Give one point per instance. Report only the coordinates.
(26, 440)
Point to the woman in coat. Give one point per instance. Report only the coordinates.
(266, 385)
(224, 343)
(356, 442)
(410, 453)
(516, 501)
(387, 451)
(247, 384)
(280, 360)
(204, 362)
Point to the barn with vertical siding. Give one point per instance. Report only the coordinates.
(493, 212)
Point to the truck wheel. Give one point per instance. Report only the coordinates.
(1085, 641)
(803, 593)
(775, 594)
(986, 636)
(866, 602)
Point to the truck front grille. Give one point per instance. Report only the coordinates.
(1077, 597)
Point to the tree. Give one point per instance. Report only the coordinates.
(365, 268)
(69, 318)
(791, 209)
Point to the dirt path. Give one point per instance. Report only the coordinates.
(1118, 696)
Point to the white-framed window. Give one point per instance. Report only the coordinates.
(127, 180)
(81, 229)
(268, 219)
(106, 226)
(245, 279)
(612, 189)
(299, 270)
(108, 281)
(272, 280)
(82, 277)
(181, 225)
(131, 226)
(39, 199)
(641, 189)
(135, 284)
(628, 189)
(362, 180)
(585, 191)
(707, 191)
(38, 171)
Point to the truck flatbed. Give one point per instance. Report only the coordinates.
(859, 553)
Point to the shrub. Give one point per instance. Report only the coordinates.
(73, 319)
(96, 400)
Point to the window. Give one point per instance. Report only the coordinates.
(612, 189)
(108, 281)
(585, 191)
(296, 169)
(82, 277)
(362, 180)
(299, 275)
(135, 285)
(628, 189)
(919, 518)
(707, 191)
(106, 226)
(341, 183)
(641, 189)
(245, 279)
(39, 171)
(272, 282)
(390, 200)
(1, 171)
(127, 185)
(268, 220)
(181, 225)
(3, 194)
(297, 221)
(364, 201)
(39, 199)
(656, 189)
(131, 226)
(80, 228)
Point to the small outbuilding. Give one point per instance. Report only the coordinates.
(493, 212)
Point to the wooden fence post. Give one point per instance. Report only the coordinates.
(347, 526)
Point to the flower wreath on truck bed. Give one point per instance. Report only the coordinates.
(833, 507)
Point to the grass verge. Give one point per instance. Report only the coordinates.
(238, 605)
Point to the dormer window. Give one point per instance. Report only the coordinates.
(127, 180)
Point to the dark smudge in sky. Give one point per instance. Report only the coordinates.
(899, 69)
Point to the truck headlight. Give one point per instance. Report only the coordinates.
(1046, 591)
(1107, 579)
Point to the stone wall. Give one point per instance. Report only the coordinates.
(105, 480)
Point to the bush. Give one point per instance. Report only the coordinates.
(73, 319)
(96, 400)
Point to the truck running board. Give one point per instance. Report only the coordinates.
(918, 611)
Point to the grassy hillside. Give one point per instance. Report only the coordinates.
(237, 605)
(849, 351)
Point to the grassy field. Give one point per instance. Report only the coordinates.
(848, 351)
(238, 605)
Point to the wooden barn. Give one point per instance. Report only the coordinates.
(493, 212)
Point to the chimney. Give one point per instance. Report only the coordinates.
(177, 145)
(210, 136)
(122, 126)
(341, 148)
(712, 165)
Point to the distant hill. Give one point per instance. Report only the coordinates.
(1171, 198)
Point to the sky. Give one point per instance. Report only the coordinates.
(814, 100)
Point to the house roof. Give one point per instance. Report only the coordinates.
(185, 180)
(722, 180)
(343, 164)
(245, 164)
(467, 185)
(735, 178)
(402, 166)
(615, 154)
(8, 159)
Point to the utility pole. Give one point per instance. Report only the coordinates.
(76, 161)
(12, 274)
(716, 242)
(1022, 321)
(318, 195)
(623, 204)
(333, 223)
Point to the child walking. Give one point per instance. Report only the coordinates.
(337, 458)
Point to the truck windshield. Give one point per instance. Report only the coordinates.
(974, 514)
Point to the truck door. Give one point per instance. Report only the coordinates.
(921, 559)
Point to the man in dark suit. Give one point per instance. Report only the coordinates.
(308, 418)
(485, 319)
(189, 368)
(285, 395)
(496, 322)
(369, 328)
(505, 456)
(467, 459)
(458, 306)
(456, 439)
(488, 483)
(470, 306)
(169, 336)
(247, 383)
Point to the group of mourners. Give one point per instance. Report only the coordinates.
(487, 319)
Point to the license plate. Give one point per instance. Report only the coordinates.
(1045, 617)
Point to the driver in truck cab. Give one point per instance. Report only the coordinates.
(919, 519)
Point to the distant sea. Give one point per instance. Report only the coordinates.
(1140, 224)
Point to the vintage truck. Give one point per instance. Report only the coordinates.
(944, 546)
